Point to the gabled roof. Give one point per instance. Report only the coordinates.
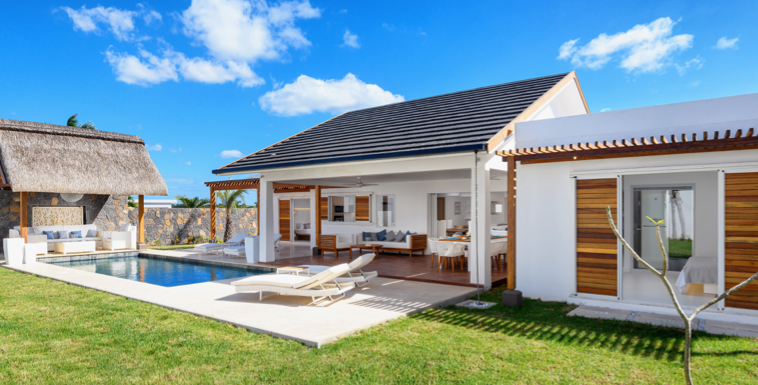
(40, 157)
(459, 121)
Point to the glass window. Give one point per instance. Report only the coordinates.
(385, 210)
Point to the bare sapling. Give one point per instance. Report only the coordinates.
(662, 275)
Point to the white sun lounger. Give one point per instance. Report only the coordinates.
(237, 240)
(355, 275)
(318, 287)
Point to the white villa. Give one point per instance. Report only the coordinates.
(420, 166)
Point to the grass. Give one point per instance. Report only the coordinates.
(171, 247)
(53, 332)
(680, 248)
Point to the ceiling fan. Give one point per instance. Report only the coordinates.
(359, 184)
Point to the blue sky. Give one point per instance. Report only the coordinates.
(205, 80)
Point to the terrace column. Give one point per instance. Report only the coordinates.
(267, 229)
(479, 250)
(213, 214)
(23, 215)
(511, 255)
(141, 219)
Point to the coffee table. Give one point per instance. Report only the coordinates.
(374, 248)
(75, 247)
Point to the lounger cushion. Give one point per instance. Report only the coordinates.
(209, 246)
(280, 280)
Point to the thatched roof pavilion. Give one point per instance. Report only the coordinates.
(44, 157)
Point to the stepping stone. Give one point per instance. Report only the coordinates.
(664, 320)
(731, 328)
(600, 313)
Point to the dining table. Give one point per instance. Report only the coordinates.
(466, 241)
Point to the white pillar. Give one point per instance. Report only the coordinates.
(313, 217)
(268, 228)
(479, 251)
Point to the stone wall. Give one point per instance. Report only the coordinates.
(164, 225)
(108, 212)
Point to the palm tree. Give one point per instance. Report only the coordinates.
(191, 203)
(230, 199)
(73, 122)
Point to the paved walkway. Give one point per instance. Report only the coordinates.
(709, 326)
(280, 316)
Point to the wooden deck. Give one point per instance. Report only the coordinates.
(400, 266)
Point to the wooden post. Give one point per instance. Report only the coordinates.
(141, 219)
(22, 213)
(213, 214)
(511, 223)
(318, 217)
(258, 211)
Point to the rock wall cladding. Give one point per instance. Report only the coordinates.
(162, 225)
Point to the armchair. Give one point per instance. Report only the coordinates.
(336, 243)
(127, 239)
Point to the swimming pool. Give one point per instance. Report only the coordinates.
(157, 271)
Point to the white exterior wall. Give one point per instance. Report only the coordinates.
(546, 212)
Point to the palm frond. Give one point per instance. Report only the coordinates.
(72, 121)
(89, 125)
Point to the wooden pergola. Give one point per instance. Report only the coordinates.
(254, 184)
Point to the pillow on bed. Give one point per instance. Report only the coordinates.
(306, 226)
(298, 226)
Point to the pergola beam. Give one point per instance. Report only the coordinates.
(141, 219)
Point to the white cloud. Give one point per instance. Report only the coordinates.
(643, 48)
(605, 110)
(181, 180)
(231, 154)
(119, 21)
(133, 70)
(155, 147)
(725, 43)
(694, 63)
(151, 69)
(351, 39)
(188, 163)
(245, 31)
(307, 95)
(175, 150)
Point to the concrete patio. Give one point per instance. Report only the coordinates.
(282, 317)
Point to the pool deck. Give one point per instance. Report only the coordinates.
(284, 317)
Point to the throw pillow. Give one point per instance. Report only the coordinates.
(62, 234)
(36, 230)
(390, 237)
(50, 234)
(374, 237)
(366, 236)
(298, 226)
(92, 234)
(125, 226)
(76, 234)
(408, 234)
(306, 226)
(382, 235)
(13, 234)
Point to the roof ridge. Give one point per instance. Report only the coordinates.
(55, 129)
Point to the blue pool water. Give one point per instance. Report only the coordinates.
(161, 272)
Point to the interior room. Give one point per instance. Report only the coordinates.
(686, 203)
(455, 209)
(301, 220)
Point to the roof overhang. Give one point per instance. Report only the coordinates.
(624, 148)
(254, 184)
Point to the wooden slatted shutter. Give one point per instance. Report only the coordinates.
(741, 238)
(324, 208)
(596, 245)
(284, 220)
(362, 207)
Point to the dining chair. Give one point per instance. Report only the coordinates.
(449, 252)
(432, 242)
(498, 250)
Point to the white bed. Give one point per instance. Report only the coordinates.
(303, 231)
(702, 270)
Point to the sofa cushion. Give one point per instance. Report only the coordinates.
(50, 234)
(125, 226)
(366, 236)
(391, 245)
(390, 236)
(382, 235)
(91, 233)
(76, 234)
(14, 233)
(374, 237)
(63, 234)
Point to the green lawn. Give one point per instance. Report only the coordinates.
(171, 247)
(680, 248)
(51, 331)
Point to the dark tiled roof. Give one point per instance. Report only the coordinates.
(458, 121)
